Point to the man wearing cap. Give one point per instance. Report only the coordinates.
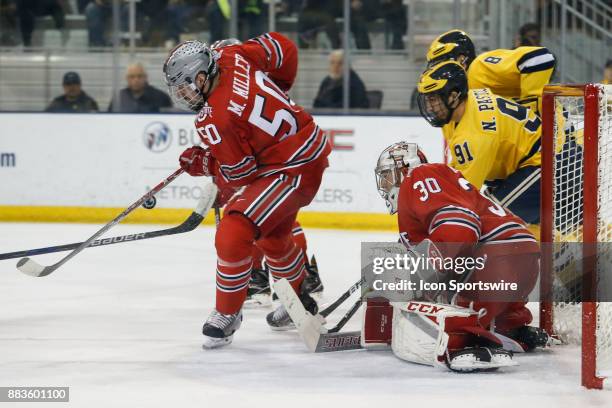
(74, 98)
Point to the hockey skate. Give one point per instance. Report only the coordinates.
(259, 293)
(219, 329)
(312, 282)
(530, 337)
(280, 320)
(473, 359)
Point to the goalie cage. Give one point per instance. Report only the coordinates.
(576, 223)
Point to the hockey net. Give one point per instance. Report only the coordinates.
(576, 220)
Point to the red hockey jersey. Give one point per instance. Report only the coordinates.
(436, 202)
(249, 123)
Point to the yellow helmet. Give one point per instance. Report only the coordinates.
(449, 46)
(440, 80)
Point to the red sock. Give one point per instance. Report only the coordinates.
(234, 243)
(299, 237)
(290, 266)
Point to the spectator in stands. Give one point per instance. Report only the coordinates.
(28, 10)
(151, 20)
(139, 96)
(218, 14)
(288, 7)
(178, 14)
(318, 15)
(315, 16)
(98, 14)
(8, 23)
(81, 4)
(529, 35)
(330, 93)
(395, 13)
(74, 99)
(607, 79)
(251, 18)
(362, 13)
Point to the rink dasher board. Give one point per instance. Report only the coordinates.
(101, 162)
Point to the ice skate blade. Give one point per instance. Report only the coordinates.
(283, 328)
(211, 343)
(258, 302)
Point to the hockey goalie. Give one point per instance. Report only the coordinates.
(471, 330)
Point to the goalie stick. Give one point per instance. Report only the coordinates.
(317, 337)
(33, 268)
(191, 223)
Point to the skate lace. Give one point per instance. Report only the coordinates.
(220, 320)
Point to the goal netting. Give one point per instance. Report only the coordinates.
(576, 223)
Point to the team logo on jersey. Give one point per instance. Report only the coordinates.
(157, 137)
(205, 112)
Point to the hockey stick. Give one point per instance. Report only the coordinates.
(310, 327)
(325, 312)
(33, 268)
(217, 216)
(346, 317)
(191, 223)
(338, 342)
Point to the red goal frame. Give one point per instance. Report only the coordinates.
(591, 95)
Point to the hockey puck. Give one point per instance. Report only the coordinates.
(150, 203)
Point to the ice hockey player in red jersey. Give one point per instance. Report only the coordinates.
(259, 293)
(256, 138)
(435, 204)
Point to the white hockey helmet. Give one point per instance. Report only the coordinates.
(184, 63)
(391, 168)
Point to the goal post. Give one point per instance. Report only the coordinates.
(576, 222)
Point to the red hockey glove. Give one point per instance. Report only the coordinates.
(197, 161)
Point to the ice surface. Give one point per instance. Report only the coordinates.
(121, 326)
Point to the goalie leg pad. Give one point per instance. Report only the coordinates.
(419, 330)
(425, 333)
(415, 337)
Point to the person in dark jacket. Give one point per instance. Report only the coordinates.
(330, 93)
(139, 96)
(74, 98)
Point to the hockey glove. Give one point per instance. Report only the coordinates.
(197, 161)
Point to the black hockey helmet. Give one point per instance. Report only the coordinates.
(435, 87)
(449, 46)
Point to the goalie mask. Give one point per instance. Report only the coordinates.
(451, 46)
(181, 69)
(441, 88)
(392, 167)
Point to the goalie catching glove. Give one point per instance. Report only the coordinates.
(197, 161)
